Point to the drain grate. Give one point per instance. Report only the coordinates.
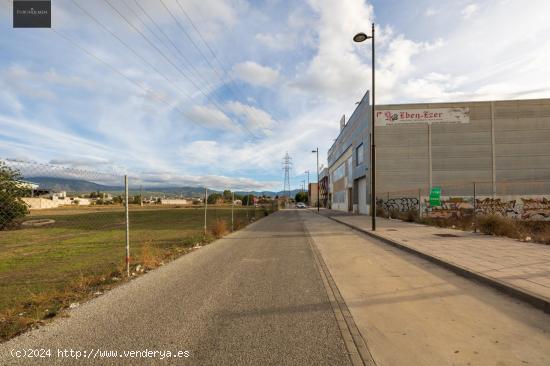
(447, 235)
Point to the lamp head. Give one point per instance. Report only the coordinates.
(360, 37)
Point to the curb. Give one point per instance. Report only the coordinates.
(513, 291)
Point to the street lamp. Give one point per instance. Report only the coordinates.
(360, 37)
(317, 152)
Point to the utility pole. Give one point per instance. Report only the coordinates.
(318, 201)
(287, 164)
(360, 37)
(232, 207)
(127, 226)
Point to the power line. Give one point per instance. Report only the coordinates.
(131, 49)
(189, 65)
(206, 43)
(170, 61)
(246, 111)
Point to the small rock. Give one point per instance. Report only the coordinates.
(139, 268)
(115, 279)
(102, 279)
(457, 351)
(97, 293)
(74, 305)
(21, 314)
(133, 273)
(528, 238)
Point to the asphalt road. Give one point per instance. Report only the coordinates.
(255, 297)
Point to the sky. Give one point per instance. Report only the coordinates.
(215, 92)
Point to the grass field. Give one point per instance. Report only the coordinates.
(43, 269)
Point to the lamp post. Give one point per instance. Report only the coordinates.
(360, 37)
(316, 151)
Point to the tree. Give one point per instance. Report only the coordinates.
(301, 197)
(227, 195)
(248, 200)
(136, 200)
(213, 198)
(12, 190)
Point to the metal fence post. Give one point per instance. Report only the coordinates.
(474, 218)
(232, 207)
(205, 207)
(388, 205)
(419, 203)
(127, 226)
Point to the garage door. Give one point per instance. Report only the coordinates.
(362, 195)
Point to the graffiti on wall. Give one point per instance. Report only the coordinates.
(534, 209)
(402, 204)
(496, 206)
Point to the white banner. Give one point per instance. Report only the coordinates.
(429, 115)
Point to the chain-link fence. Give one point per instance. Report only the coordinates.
(470, 199)
(59, 225)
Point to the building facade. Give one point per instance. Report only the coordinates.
(348, 162)
(503, 146)
(492, 149)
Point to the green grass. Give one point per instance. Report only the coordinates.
(44, 262)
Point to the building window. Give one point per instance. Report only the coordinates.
(359, 157)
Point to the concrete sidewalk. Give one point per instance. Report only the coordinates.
(518, 268)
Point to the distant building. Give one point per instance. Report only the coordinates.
(174, 201)
(312, 194)
(324, 188)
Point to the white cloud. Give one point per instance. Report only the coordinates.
(255, 74)
(277, 41)
(211, 118)
(430, 12)
(469, 10)
(256, 119)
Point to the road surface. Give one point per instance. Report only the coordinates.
(295, 288)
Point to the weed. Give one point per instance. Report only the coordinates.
(219, 229)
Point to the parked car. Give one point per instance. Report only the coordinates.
(300, 205)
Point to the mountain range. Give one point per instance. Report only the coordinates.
(84, 186)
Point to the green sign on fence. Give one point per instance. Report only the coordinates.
(435, 196)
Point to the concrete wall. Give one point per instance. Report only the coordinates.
(36, 203)
(174, 201)
(504, 141)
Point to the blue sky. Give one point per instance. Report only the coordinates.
(220, 106)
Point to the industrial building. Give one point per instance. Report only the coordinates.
(347, 161)
(502, 146)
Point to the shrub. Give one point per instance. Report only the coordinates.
(219, 229)
(149, 256)
(498, 225)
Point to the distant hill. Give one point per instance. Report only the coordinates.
(84, 186)
(69, 185)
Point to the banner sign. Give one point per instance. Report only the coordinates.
(428, 116)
